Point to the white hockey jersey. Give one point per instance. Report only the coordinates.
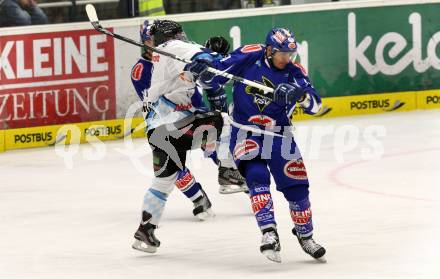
(164, 86)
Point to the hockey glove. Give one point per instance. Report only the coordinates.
(217, 100)
(199, 69)
(287, 94)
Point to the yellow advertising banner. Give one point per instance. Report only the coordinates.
(30, 137)
(71, 133)
(361, 104)
(2, 141)
(429, 99)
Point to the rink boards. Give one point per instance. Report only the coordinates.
(120, 129)
(67, 83)
(85, 132)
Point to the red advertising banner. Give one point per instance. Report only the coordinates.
(56, 78)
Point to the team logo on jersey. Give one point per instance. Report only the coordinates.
(295, 169)
(301, 217)
(248, 148)
(261, 99)
(251, 48)
(136, 73)
(262, 120)
(180, 107)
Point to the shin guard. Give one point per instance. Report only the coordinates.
(302, 217)
(187, 184)
(262, 205)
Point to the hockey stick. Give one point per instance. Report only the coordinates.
(93, 18)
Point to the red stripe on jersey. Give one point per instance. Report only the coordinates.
(303, 70)
(136, 73)
(251, 48)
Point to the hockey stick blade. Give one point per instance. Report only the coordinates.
(93, 18)
(91, 13)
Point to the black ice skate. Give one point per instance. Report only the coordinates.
(202, 207)
(145, 240)
(231, 181)
(270, 245)
(311, 247)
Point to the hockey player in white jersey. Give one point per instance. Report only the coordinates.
(174, 126)
(229, 178)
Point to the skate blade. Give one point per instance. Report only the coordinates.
(206, 215)
(141, 246)
(272, 255)
(227, 189)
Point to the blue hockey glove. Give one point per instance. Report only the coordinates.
(287, 94)
(199, 68)
(217, 100)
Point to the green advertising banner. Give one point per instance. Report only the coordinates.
(350, 51)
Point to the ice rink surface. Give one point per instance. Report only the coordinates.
(377, 217)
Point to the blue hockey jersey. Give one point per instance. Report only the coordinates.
(251, 105)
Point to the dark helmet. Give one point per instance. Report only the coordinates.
(218, 44)
(165, 30)
(281, 39)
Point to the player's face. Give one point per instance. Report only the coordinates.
(281, 59)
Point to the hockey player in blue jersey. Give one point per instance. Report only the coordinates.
(262, 142)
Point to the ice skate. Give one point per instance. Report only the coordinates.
(202, 207)
(145, 240)
(231, 181)
(311, 247)
(270, 245)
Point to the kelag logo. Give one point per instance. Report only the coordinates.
(392, 45)
(376, 104)
(56, 78)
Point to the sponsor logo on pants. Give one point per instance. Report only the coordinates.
(295, 169)
(260, 201)
(247, 147)
(301, 217)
